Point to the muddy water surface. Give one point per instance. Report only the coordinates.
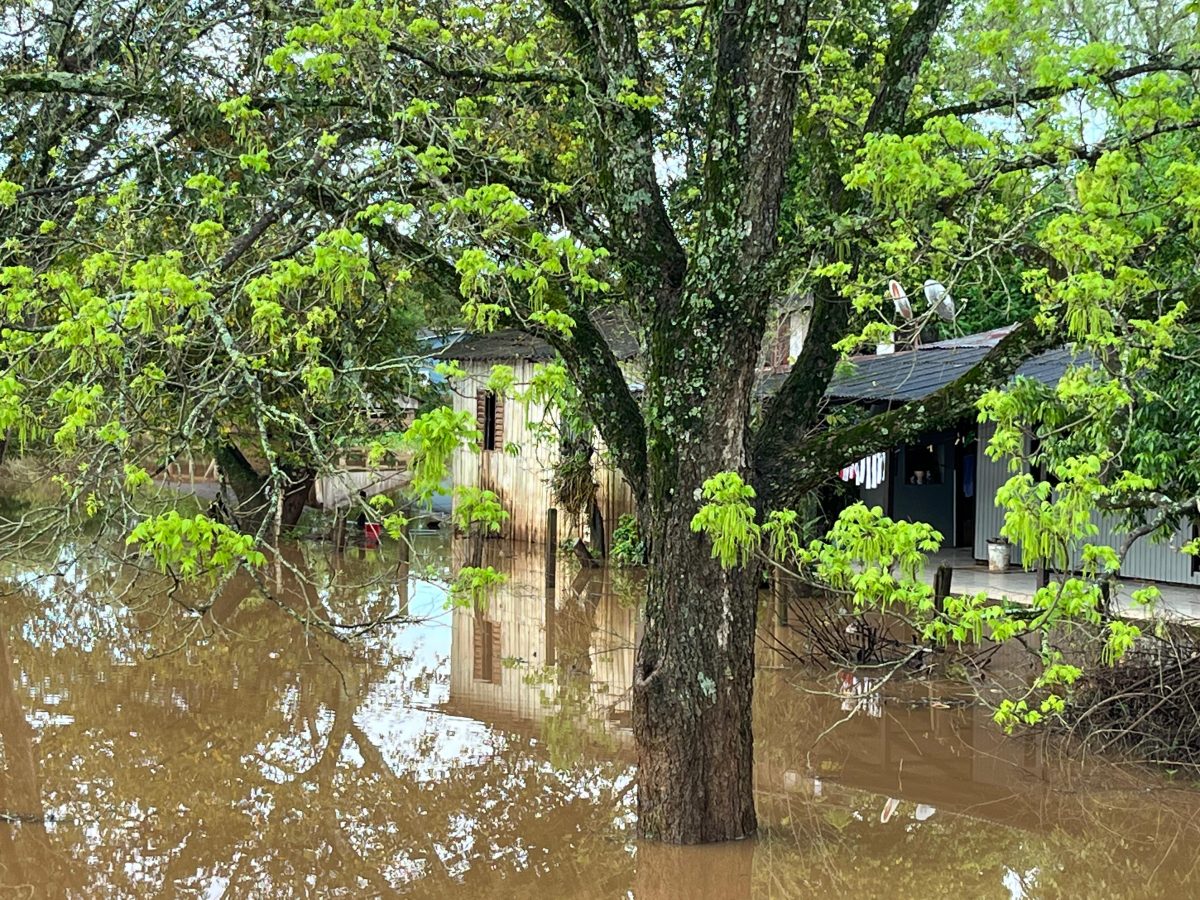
(148, 751)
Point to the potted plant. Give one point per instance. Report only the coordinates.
(999, 554)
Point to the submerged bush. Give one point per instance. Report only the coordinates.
(628, 548)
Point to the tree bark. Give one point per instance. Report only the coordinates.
(692, 695)
(295, 496)
(252, 490)
(694, 679)
(249, 488)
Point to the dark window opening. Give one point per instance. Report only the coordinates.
(489, 417)
(922, 464)
(489, 421)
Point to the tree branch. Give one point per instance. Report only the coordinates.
(901, 66)
(623, 150)
(1030, 96)
(606, 396)
(69, 83)
(1092, 153)
(486, 73)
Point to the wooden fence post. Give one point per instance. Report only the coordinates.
(551, 548)
(941, 586)
(551, 585)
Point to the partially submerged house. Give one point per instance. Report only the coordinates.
(945, 478)
(517, 453)
(517, 461)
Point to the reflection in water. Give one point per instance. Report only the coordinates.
(148, 750)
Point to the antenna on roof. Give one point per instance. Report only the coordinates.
(900, 299)
(939, 300)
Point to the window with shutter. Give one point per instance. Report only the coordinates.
(487, 661)
(489, 416)
(477, 667)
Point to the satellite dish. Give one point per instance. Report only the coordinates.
(939, 299)
(900, 299)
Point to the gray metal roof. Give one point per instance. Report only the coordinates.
(510, 343)
(978, 339)
(913, 374)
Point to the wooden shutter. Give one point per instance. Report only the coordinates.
(494, 628)
(499, 422)
(477, 668)
(487, 659)
(481, 411)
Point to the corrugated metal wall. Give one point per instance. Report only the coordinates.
(1146, 560)
(989, 476)
(522, 480)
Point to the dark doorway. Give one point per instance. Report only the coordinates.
(966, 453)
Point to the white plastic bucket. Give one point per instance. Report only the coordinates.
(999, 555)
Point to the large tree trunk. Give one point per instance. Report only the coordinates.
(251, 490)
(695, 667)
(692, 697)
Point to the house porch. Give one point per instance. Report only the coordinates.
(1016, 584)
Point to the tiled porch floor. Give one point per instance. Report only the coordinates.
(1016, 584)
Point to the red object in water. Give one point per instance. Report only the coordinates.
(371, 532)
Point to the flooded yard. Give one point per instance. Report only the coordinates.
(257, 751)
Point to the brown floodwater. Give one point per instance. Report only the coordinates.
(250, 752)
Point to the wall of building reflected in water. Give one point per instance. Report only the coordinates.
(271, 747)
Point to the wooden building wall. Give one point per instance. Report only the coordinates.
(510, 659)
(521, 479)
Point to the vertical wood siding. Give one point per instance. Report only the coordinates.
(522, 480)
(521, 624)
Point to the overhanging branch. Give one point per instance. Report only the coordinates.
(606, 396)
(1030, 96)
(793, 410)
